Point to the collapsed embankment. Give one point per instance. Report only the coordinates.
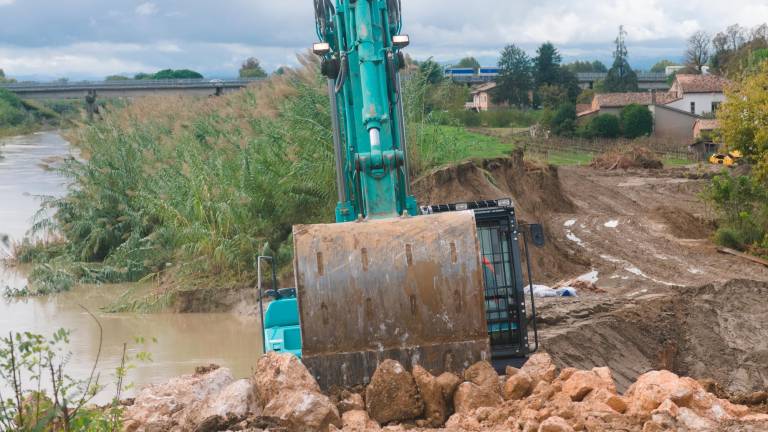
(714, 332)
(282, 395)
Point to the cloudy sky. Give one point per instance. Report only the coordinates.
(93, 38)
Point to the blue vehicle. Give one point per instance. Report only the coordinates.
(281, 327)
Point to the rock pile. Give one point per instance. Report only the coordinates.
(283, 396)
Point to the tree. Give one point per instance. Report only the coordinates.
(598, 66)
(514, 81)
(636, 121)
(743, 122)
(3, 79)
(116, 78)
(552, 96)
(585, 67)
(564, 121)
(697, 54)
(432, 71)
(604, 126)
(621, 77)
(468, 62)
(251, 68)
(661, 66)
(546, 65)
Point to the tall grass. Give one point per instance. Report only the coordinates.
(200, 187)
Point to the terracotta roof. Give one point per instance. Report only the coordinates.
(689, 83)
(580, 108)
(706, 124)
(484, 87)
(614, 100)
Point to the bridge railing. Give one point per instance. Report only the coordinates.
(121, 84)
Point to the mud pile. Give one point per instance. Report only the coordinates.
(712, 332)
(535, 190)
(635, 157)
(283, 396)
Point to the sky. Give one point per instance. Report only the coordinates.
(90, 39)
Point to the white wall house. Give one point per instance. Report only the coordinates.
(698, 94)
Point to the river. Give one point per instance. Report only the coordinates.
(183, 340)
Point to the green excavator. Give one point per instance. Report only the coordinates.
(435, 285)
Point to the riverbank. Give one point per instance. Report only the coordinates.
(183, 340)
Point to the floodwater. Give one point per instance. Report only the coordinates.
(183, 341)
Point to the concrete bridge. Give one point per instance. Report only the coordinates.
(645, 80)
(125, 88)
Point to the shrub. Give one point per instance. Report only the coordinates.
(564, 120)
(742, 204)
(636, 121)
(604, 126)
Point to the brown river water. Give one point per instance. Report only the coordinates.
(183, 341)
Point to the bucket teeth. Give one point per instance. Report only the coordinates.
(410, 289)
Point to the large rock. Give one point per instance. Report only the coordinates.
(470, 396)
(483, 375)
(517, 386)
(276, 373)
(160, 407)
(358, 421)
(653, 388)
(232, 404)
(580, 384)
(350, 402)
(540, 367)
(303, 410)
(435, 405)
(555, 424)
(448, 382)
(392, 394)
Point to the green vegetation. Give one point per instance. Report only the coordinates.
(585, 66)
(18, 116)
(44, 397)
(604, 126)
(738, 51)
(468, 62)
(3, 78)
(621, 77)
(501, 118)
(195, 193)
(742, 201)
(661, 66)
(167, 74)
(515, 80)
(251, 68)
(636, 121)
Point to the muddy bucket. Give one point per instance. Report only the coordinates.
(408, 289)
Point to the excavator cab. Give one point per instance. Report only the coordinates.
(503, 242)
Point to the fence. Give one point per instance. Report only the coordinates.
(581, 151)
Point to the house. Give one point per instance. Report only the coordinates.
(672, 124)
(703, 135)
(698, 94)
(612, 103)
(482, 97)
(704, 128)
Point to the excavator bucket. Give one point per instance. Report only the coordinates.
(408, 289)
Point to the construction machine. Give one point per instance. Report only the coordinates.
(435, 285)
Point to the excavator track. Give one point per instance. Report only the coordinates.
(408, 289)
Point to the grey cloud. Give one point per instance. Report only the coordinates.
(215, 36)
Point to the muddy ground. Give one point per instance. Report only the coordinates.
(666, 299)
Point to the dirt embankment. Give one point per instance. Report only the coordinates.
(714, 332)
(536, 191)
